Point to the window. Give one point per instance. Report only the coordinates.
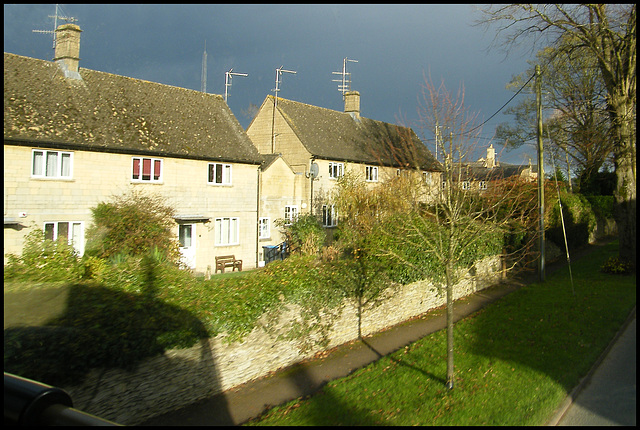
(219, 174)
(263, 228)
(426, 177)
(483, 185)
(146, 170)
(336, 170)
(70, 232)
(290, 214)
(227, 231)
(371, 173)
(184, 235)
(466, 185)
(52, 164)
(329, 216)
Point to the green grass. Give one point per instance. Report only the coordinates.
(515, 360)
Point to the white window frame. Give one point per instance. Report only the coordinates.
(290, 214)
(225, 173)
(264, 228)
(482, 185)
(466, 185)
(227, 231)
(371, 173)
(152, 178)
(329, 216)
(77, 244)
(40, 168)
(336, 170)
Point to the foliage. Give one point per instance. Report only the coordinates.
(44, 260)
(304, 235)
(133, 224)
(602, 206)
(579, 219)
(614, 266)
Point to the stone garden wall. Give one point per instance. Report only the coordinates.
(180, 377)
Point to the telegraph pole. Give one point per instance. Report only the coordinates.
(540, 171)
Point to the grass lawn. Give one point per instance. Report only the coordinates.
(515, 360)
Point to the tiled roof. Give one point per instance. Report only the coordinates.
(334, 135)
(116, 113)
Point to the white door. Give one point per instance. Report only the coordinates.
(187, 237)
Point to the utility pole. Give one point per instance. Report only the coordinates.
(541, 267)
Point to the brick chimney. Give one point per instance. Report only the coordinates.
(67, 53)
(352, 104)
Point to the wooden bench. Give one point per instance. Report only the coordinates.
(228, 261)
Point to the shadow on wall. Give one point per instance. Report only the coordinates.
(89, 326)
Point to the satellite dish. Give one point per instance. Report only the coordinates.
(313, 171)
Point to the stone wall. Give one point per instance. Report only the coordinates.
(181, 377)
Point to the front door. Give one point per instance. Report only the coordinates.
(187, 237)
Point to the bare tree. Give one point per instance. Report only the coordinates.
(608, 32)
(462, 223)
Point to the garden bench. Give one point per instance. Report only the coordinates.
(228, 261)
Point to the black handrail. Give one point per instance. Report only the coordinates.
(28, 403)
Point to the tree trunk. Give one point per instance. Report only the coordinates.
(622, 118)
(450, 371)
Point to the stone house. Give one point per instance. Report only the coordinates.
(74, 137)
(478, 175)
(320, 145)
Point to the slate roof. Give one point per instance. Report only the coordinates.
(477, 171)
(333, 135)
(107, 112)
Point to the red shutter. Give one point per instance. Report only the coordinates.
(136, 168)
(146, 169)
(156, 169)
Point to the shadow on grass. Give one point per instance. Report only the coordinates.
(544, 331)
(94, 327)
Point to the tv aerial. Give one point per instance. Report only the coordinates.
(344, 83)
(55, 24)
(279, 71)
(227, 80)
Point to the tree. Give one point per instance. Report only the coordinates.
(579, 126)
(459, 226)
(607, 32)
(133, 224)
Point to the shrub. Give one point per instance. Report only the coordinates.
(615, 266)
(133, 224)
(44, 260)
(305, 234)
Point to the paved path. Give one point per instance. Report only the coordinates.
(609, 396)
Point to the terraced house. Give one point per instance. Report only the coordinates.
(74, 137)
(320, 145)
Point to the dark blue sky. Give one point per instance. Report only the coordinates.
(393, 44)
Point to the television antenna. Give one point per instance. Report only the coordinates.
(279, 71)
(203, 77)
(227, 80)
(344, 83)
(55, 24)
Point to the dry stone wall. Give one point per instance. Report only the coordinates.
(180, 377)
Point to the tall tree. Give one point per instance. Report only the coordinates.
(578, 126)
(608, 32)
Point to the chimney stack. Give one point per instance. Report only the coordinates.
(491, 157)
(67, 53)
(352, 104)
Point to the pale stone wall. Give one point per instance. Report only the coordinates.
(99, 176)
(181, 377)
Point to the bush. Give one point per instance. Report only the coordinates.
(133, 224)
(579, 219)
(44, 260)
(304, 235)
(615, 266)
